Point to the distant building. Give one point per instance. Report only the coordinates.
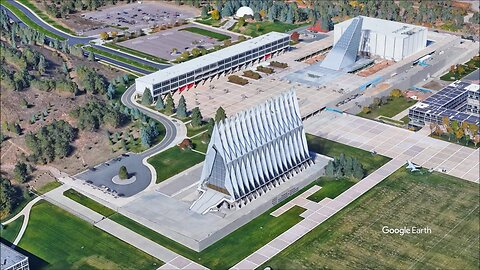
(253, 152)
(387, 39)
(458, 101)
(12, 259)
(188, 74)
(244, 11)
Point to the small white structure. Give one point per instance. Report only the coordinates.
(253, 152)
(387, 39)
(244, 11)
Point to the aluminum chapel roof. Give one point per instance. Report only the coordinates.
(211, 58)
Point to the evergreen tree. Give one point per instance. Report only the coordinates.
(42, 66)
(211, 125)
(182, 108)
(65, 68)
(20, 172)
(123, 173)
(169, 104)
(147, 97)
(111, 90)
(146, 136)
(160, 104)
(204, 12)
(330, 169)
(91, 56)
(220, 115)
(196, 117)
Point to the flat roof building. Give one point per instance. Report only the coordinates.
(12, 259)
(186, 75)
(387, 39)
(456, 101)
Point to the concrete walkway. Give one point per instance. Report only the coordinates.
(325, 210)
(26, 213)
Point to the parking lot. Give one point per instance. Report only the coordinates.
(161, 43)
(138, 15)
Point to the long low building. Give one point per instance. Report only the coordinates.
(387, 39)
(196, 71)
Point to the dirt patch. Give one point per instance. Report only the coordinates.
(378, 89)
(434, 85)
(375, 68)
(315, 59)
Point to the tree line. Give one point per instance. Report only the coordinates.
(456, 130)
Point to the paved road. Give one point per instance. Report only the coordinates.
(74, 40)
(103, 173)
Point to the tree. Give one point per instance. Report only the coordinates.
(196, 52)
(366, 110)
(215, 14)
(211, 125)
(123, 173)
(111, 91)
(204, 12)
(7, 196)
(396, 93)
(220, 115)
(330, 169)
(160, 104)
(23, 103)
(182, 108)
(20, 172)
(185, 55)
(196, 117)
(241, 22)
(114, 34)
(295, 36)
(147, 97)
(169, 104)
(65, 68)
(227, 42)
(459, 134)
(91, 56)
(104, 36)
(358, 171)
(42, 65)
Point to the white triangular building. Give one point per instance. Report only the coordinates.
(252, 152)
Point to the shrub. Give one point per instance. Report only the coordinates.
(238, 80)
(266, 70)
(251, 74)
(186, 144)
(278, 64)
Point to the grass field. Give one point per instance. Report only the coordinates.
(60, 240)
(353, 238)
(207, 33)
(199, 145)
(87, 202)
(173, 161)
(210, 21)
(121, 59)
(331, 188)
(45, 17)
(136, 53)
(192, 131)
(10, 231)
(334, 149)
(48, 187)
(29, 22)
(392, 108)
(256, 29)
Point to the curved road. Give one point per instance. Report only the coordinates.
(103, 173)
(74, 40)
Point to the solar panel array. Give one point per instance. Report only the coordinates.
(450, 101)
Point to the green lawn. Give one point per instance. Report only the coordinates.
(462, 141)
(211, 22)
(405, 119)
(199, 145)
(331, 188)
(173, 161)
(60, 240)
(136, 53)
(334, 149)
(17, 208)
(121, 59)
(87, 202)
(45, 17)
(450, 77)
(392, 108)
(353, 238)
(28, 21)
(251, 29)
(10, 231)
(192, 131)
(207, 33)
(48, 187)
